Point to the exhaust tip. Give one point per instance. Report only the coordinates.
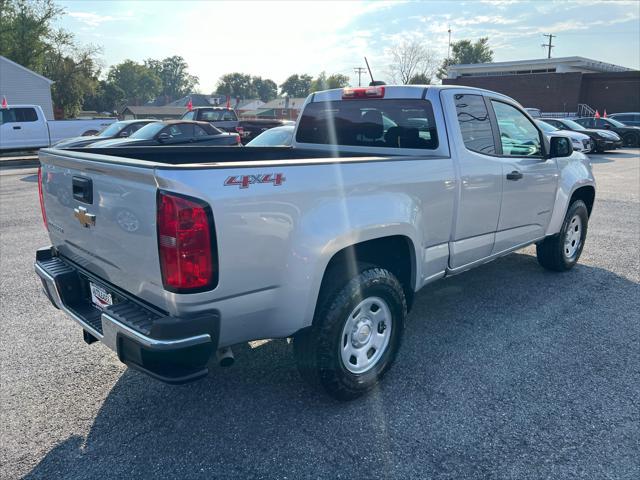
(225, 357)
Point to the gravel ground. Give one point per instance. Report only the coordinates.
(507, 371)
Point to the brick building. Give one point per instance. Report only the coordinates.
(556, 84)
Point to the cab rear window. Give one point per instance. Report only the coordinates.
(389, 123)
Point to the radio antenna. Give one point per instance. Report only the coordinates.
(373, 82)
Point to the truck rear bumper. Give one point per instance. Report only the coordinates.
(170, 349)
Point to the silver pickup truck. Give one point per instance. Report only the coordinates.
(171, 255)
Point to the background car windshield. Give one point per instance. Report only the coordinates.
(615, 123)
(148, 131)
(573, 125)
(112, 130)
(370, 123)
(545, 127)
(273, 137)
(218, 116)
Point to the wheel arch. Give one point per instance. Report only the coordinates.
(587, 194)
(395, 253)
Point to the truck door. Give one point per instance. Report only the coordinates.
(529, 180)
(473, 142)
(21, 128)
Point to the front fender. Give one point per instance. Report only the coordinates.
(575, 172)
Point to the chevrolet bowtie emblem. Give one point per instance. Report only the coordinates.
(85, 219)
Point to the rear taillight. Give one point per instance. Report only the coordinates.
(44, 212)
(240, 130)
(186, 243)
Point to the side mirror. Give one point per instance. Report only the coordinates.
(163, 137)
(560, 147)
(124, 134)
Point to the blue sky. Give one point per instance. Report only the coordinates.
(276, 39)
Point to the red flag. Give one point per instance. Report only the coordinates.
(605, 113)
(228, 101)
(4, 102)
(190, 105)
(597, 115)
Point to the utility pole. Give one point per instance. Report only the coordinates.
(359, 71)
(550, 44)
(449, 46)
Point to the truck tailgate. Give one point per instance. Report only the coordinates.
(102, 216)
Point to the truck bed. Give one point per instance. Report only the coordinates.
(181, 155)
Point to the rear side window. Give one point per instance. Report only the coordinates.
(475, 124)
(369, 123)
(13, 115)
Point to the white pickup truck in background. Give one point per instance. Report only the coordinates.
(25, 127)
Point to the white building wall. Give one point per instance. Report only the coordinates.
(22, 86)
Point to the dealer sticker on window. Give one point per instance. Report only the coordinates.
(99, 296)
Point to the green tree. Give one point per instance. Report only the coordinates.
(175, 81)
(297, 86)
(237, 85)
(107, 97)
(465, 52)
(420, 79)
(265, 89)
(322, 82)
(139, 83)
(26, 31)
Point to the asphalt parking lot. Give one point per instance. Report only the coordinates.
(507, 371)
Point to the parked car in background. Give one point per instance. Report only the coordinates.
(630, 119)
(602, 139)
(250, 129)
(226, 120)
(534, 112)
(630, 135)
(580, 142)
(25, 127)
(274, 137)
(121, 129)
(173, 132)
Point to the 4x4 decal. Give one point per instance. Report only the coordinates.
(243, 181)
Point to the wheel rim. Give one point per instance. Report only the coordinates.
(573, 237)
(366, 334)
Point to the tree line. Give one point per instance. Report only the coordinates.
(29, 38)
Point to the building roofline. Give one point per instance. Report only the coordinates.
(536, 61)
(51, 82)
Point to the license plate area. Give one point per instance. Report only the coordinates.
(100, 297)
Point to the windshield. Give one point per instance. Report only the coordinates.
(615, 123)
(218, 116)
(148, 131)
(279, 136)
(112, 130)
(545, 127)
(573, 125)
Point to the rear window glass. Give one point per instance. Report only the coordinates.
(370, 123)
(218, 116)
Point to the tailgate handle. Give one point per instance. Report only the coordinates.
(83, 189)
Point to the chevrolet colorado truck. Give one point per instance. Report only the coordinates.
(170, 256)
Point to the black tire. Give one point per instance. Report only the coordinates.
(552, 252)
(630, 140)
(318, 349)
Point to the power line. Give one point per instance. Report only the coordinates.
(550, 44)
(359, 71)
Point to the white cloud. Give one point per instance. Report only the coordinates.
(95, 20)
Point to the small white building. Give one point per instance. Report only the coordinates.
(19, 85)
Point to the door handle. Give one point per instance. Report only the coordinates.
(515, 175)
(17, 127)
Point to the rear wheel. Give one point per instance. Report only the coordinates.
(562, 251)
(355, 336)
(630, 140)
